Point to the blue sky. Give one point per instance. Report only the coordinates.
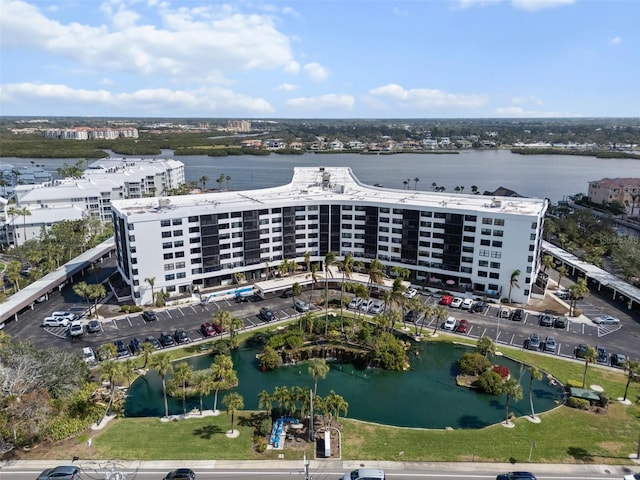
(320, 59)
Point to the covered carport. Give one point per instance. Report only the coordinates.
(595, 276)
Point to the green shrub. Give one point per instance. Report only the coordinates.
(579, 403)
(604, 399)
(490, 382)
(573, 383)
(473, 363)
(125, 308)
(265, 426)
(261, 444)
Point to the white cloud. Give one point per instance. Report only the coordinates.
(527, 99)
(196, 42)
(197, 101)
(426, 98)
(331, 101)
(615, 41)
(286, 87)
(316, 71)
(536, 5)
(521, 112)
(476, 3)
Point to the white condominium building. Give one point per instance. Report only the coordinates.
(91, 194)
(472, 242)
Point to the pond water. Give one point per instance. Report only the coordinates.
(426, 396)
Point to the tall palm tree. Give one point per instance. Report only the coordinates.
(129, 367)
(632, 368)
(280, 395)
(234, 402)
(204, 384)
(265, 400)
(513, 282)
(203, 181)
(576, 292)
(227, 179)
(534, 374)
(329, 260)
(162, 364)
(314, 280)
(440, 314)
(395, 297)
(222, 374)
(590, 356)
(182, 375)
(219, 181)
(318, 368)
(346, 266)
(24, 212)
(13, 211)
(562, 272)
(335, 405)
(376, 274)
(405, 183)
(416, 180)
(110, 371)
(511, 389)
(151, 281)
(296, 291)
(146, 350)
(547, 262)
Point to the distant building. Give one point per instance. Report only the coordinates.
(87, 133)
(624, 191)
(239, 126)
(251, 143)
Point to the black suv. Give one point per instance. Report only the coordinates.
(149, 316)
(167, 340)
(478, 307)
(410, 316)
(516, 476)
(560, 322)
(266, 314)
(517, 315)
(181, 336)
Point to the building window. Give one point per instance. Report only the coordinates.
(169, 277)
(167, 245)
(499, 222)
(470, 218)
(482, 273)
(166, 234)
(177, 221)
(168, 256)
(494, 275)
(483, 263)
(487, 221)
(485, 242)
(496, 243)
(498, 233)
(178, 244)
(495, 264)
(165, 223)
(168, 267)
(496, 254)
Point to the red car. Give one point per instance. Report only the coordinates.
(463, 326)
(446, 300)
(219, 328)
(207, 329)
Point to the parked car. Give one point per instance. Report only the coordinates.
(410, 293)
(288, 293)
(70, 315)
(517, 315)
(300, 306)
(446, 300)
(479, 307)
(376, 308)
(632, 476)
(219, 328)
(149, 316)
(88, 355)
(181, 474)
(55, 322)
(355, 303)
(606, 320)
(462, 327)
(546, 320)
(122, 349)
(533, 342)
(135, 345)
(562, 294)
(550, 345)
(504, 312)
(516, 476)
(581, 350)
(166, 340)
(207, 330)
(93, 326)
(181, 336)
(618, 360)
(410, 316)
(467, 303)
(76, 329)
(365, 474)
(266, 314)
(366, 305)
(449, 324)
(602, 354)
(455, 303)
(62, 472)
(560, 322)
(153, 341)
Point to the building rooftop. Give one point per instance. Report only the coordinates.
(46, 215)
(328, 184)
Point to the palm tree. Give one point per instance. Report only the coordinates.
(182, 375)
(590, 356)
(162, 364)
(547, 263)
(14, 212)
(234, 402)
(405, 183)
(128, 369)
(280, 395)
(395, 297)
(227, 179)
(296, 291)
(12, 272)
(110, 371)
(146, 350)
(376, 274)
(203, 181)
(576, 292)
(96, 291)
(512, 389)
(440, 313)
(219, 181)
(513, 282)
(204, 384)
(562, 272)
(534, 374)
(474, 189)
(632, 368)
(83, 289)
(318, 368)
(634, 199)
(329, 260)
(222, 374)
(265, 400)
(335, 404)
(486, 347)
(314, 280)
(346, 265)
(25, 212)
(416, 180)
(151, 281)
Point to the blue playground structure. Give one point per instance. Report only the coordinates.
(278, 430)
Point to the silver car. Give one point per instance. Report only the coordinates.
(606, 320)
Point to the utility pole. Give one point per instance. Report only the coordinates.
(311, 415)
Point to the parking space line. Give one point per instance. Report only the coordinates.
(512, 337)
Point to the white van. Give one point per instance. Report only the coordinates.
(300, 306)
(365, 474)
